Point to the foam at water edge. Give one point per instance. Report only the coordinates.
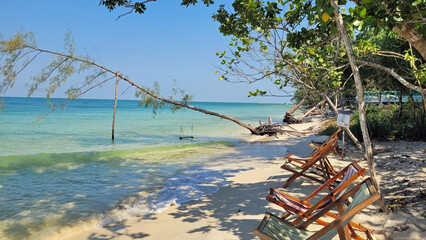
(192, 184)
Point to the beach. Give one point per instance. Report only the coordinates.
(213, 187)
(236, 210)
(64, 173)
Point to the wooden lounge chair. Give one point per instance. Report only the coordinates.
(275, 228)
(316, 167)
(317, 146)
(304, 210)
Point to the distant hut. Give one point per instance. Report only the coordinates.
(389, 97)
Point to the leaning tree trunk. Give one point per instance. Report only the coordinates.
(247, 126)
(146, 91)
(311, 110)
(296, 106)
(360, 93)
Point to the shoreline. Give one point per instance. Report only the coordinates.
(234, 211)
(204, 210)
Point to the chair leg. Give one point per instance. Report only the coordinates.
(291, 179)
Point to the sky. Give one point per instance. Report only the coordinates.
(169, 42)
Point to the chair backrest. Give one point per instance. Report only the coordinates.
(359, 197)
(363, 195)
(334, 135)
(322, 152)
(350, 173)
(327, 141)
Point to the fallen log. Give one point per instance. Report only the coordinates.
(288, 118)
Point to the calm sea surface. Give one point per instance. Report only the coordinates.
(65, 171)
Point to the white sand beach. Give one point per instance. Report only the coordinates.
(235, 211)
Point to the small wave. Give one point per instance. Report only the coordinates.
(192, 184)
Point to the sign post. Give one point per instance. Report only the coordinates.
(343, 120)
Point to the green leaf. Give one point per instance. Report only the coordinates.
(330, 10)
(366, 1)
(351, 11)
(417, 2)
(361, 26)
(363, 12)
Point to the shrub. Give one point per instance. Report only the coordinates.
(384, 123)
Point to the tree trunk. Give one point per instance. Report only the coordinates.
(296, 106)
(336, 101)
(409, 33)
(115, 107)
(360, 93)
(247, 126)
(310, 110)
(393, 74)
(331, 104)
(288, 118)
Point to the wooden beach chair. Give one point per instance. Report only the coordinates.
(302, 209)
(317, 167)
(317, 146)
(275, 228)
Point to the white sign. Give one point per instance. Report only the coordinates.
(343, 120)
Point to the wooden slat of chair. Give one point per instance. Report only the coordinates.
(359, 171)
(311, 164)
(340, 223)
(325, 142)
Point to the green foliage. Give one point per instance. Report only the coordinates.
(257, 93)
(374, 14)
(385, 123)
(21, 50)
(13, 58)
(329, 128)
(149, 101)
(185, 98)
(140, 7)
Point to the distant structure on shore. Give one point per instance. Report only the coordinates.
(389, 97)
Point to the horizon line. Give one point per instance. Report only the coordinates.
(138, 100)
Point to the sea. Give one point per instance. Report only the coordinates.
(64, 172)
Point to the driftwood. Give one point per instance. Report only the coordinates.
(272, 129)
(288, 118)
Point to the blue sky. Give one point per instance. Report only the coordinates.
(168, 42)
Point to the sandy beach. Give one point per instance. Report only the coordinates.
(235, 211)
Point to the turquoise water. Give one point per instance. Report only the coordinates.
(65, 170)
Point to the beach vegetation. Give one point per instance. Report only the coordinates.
(386, 122)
